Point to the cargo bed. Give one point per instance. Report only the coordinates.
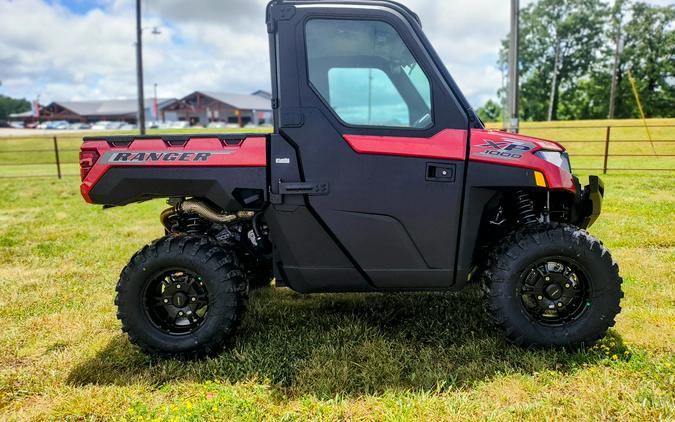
(230, 170)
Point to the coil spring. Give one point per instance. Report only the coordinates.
(525, 207)
(193, 225)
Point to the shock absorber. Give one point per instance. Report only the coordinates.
(525, 207)
(193, 225)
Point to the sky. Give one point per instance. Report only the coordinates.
(84, 49)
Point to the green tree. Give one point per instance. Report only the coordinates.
(649, 53)
(491, 111)
(559, 39)
(567, 59)
(10, 105)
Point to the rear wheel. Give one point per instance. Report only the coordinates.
(552, 286)
(181, 296)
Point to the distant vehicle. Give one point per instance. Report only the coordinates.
(80, 126)
(58, 125)
(16, 125)
(216, 125)
(116, 125)
(4, 123)
(126, 126)
(101, 125)
(31, 125)
(180, 125)
(42, 125)
(153, 125)
(232, 125)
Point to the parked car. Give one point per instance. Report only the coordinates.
(101, 125)
(180, 125)
(58, 125)
(216, 125)
(4, 123)
(41, 125)
(126, 126)
(80, 126)
(16, 125)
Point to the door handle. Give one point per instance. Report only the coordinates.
(441, 172)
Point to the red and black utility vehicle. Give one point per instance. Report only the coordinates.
(378, 177)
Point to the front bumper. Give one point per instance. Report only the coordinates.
(588, 203)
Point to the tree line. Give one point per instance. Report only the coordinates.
(10, 105)
(569, 50)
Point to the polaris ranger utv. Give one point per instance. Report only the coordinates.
(378, 177)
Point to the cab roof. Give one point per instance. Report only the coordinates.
(387, 3)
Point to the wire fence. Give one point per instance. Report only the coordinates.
(608, 148)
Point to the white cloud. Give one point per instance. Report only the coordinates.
(47, 49)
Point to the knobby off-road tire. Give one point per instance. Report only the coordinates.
(552, 286)
(181, 297)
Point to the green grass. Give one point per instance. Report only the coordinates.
(427, 356)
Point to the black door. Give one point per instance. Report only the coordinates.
(379, 140)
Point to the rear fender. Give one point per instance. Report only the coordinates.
(230, 172)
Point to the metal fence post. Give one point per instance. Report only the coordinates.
(56, 154)
(607, 136)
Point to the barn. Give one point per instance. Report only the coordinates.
(95, 110)
(203, 107)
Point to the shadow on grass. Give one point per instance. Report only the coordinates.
(345, 344)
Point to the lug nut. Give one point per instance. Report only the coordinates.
(548, 279)
(540, 297)
(166, 300)
(567, 286)
(194, 299)
(178, 286)
(559, 305)
(180, 313)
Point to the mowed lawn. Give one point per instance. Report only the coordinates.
(428, 356)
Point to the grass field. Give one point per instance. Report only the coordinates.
(425, 356)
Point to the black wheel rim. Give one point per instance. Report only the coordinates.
(554, 291)
(176, 301)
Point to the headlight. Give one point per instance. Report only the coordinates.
(560, 159)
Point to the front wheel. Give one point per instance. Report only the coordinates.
(552, 286)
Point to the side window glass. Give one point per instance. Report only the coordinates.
(367, 75)
(366, 96)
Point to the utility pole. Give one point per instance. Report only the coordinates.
(615, 73)
(554, 82)
(617, 20)
(513, 68)
(139, 69)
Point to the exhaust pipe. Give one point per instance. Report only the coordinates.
(205, 211)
